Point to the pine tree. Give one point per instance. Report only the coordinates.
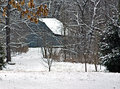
(1, 57)
(110, 48)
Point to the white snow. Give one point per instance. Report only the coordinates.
(30, 72)
(55, 25)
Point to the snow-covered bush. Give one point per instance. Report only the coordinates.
(110, 48)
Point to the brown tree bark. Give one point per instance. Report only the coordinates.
(8, 52)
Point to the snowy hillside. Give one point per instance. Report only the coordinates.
(30, 72)
(33, 61)
(55, 25)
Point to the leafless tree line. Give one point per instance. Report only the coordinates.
(84, 21)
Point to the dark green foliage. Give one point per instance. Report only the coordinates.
(1, 57)
(110, 48)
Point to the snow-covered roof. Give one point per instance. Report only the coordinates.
(55, 25)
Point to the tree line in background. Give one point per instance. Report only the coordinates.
(85, 21)
(85, 24)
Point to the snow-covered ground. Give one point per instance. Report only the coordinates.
(30, 72)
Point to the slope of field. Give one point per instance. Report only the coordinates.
(30, 72)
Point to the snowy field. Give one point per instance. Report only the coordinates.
(30, 72)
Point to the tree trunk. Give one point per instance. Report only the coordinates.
(45, 52)
(85, 62)
(65, 57)
(49, 68)
(96, 61)
(8, 55)
(8, 52)
(95, 66)
(119, 10)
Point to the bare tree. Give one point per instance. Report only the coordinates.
(20, 8)
(47, 54)
(83, 19)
